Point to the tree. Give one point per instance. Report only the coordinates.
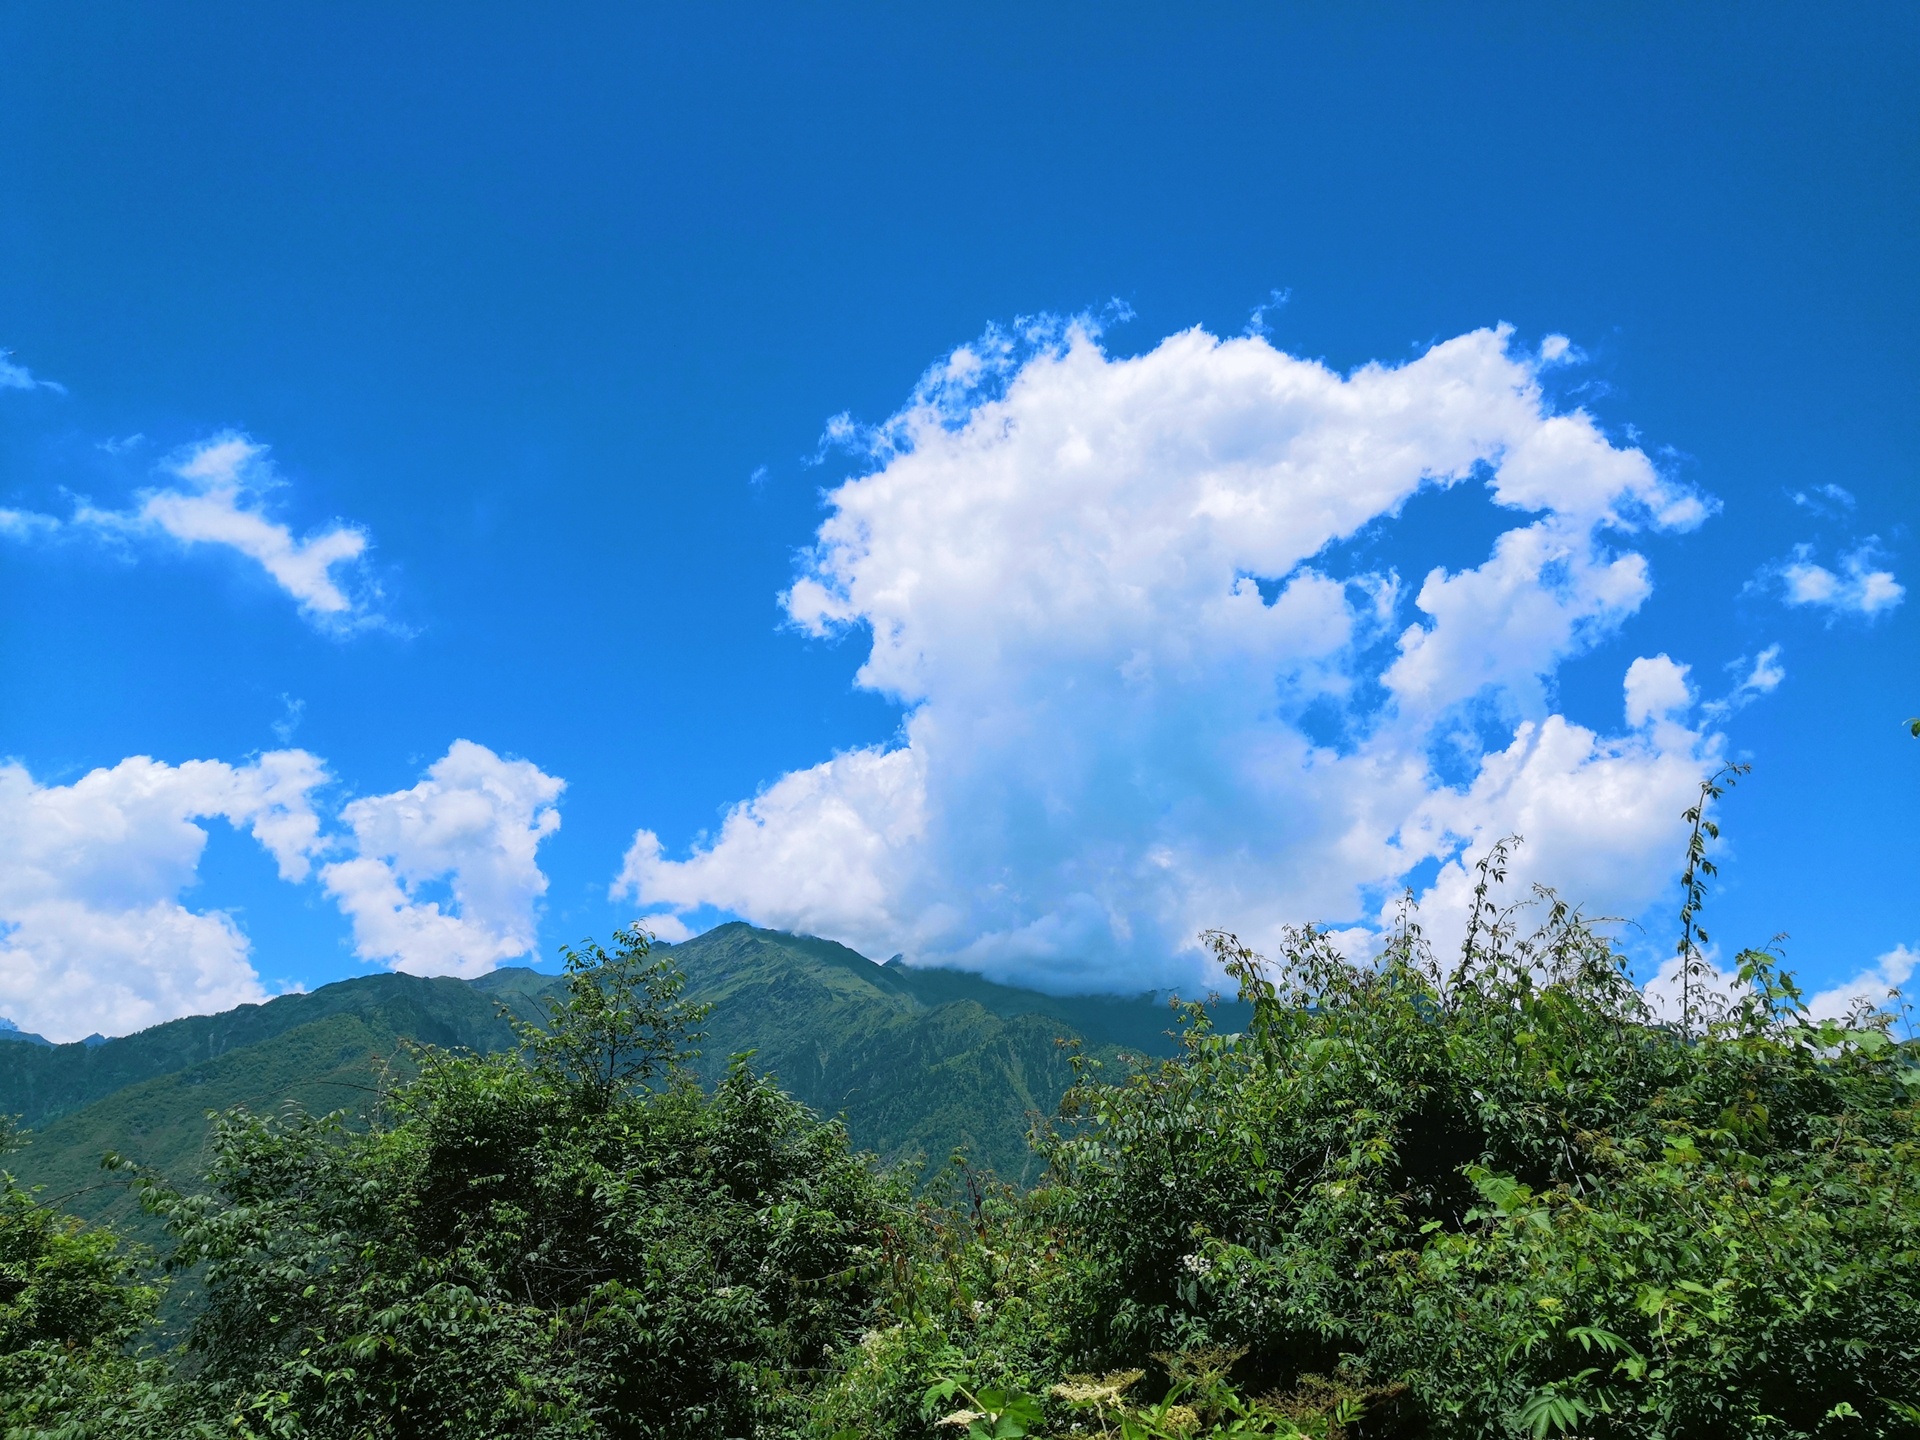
(572, 1239)
(73, 1302)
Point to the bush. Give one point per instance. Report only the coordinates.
(1506, 1199)
(73, 1301)
(572, 1239)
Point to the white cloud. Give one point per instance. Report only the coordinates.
(1598, 816)
(1891, 971)
(15, 376)
(668, 927)
(1861, 587)
(1829, 501)
(1257, 318)
(227, 480)
(221, 501)
(1559, 350)
(1058, 558)
(24, 524)
(1656, 689)
(1871, 989)
(1712, 989)
(473, 824)
(93, 934)
(1762, 677)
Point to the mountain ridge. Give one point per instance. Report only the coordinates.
(916, 1061)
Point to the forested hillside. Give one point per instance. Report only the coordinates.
(919, 1061)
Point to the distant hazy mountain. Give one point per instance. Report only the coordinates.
(918, 1061)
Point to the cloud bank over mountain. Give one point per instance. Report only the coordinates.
(1144, 694)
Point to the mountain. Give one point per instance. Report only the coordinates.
(917, 1061)
(925, 1061)
(11, 1031)
(41, 1083)
(146, 1096)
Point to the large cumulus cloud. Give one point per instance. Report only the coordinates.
(1106, 592)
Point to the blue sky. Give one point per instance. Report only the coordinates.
(537, 330)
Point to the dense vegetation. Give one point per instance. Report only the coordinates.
(1488, 1194)
(917, 1061)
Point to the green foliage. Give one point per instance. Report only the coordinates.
(1512, 1191)
(620, 1021)
(61, 1282)
(571, 1239)
(72, 1301)
(1694, 965)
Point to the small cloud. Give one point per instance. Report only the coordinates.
(1861, 586)
(1767, 672)
(842, 432)
(289, 722)
(120, 445)
(667, 926)
(1762, 678)
(1559, 350)
(1828, 500)
(14, 376)
(223, 502)
(758, 478)
(1257, 320)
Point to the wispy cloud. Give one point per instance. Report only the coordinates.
(15, 376)
(25, 524)
(1761, 676)
(223, 501)
(294, 710)
(1827, 501)
(1257, 319)
(221, 494)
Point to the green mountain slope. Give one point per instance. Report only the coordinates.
(918, 1061)
(332, 1063)
(926, 1061)
(41, 1082)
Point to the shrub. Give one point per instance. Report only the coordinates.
(572, 1239)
